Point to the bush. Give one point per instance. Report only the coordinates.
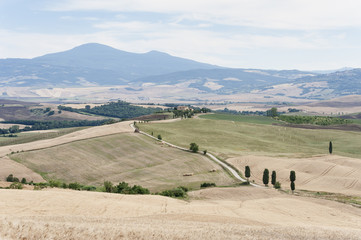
(55, 183)
(16, 185)
(88, 188)
(205, 185)
(205, 152)
(159, 137)
(16, 179)
(10, 178)
(277, 185)
(193, 147)
(75, 186)
(176, 192)
(124, 188)
(23, 180)
(108, 186)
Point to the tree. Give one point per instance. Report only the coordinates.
(10, 178)
(330, 147)
(194, 147)
(292, 176)
(293, 186)
(247, 173)
(272, 112)
(159, 137)
(292, 179)
(273, 177)
(265, 177)
(108, 186)
(23, 180)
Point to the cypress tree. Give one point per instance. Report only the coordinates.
(273, 177)
(330, 147)
(247, 173)
(265, 177)
(293, 186)
(292, 176)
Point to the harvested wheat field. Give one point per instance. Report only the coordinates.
(75, 136)
(228, 213)
(9, 166)
(129, 157)
(330, 173)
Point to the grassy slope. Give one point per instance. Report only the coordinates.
(229, 138)
(123, 157)
(240, 118)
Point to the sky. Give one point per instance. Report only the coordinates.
(268, 34)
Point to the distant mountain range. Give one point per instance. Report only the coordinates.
(99, 65)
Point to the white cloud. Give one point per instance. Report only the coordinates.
(274, 14)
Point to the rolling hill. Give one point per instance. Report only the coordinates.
(94, 65)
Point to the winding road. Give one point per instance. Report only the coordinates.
(226, 166)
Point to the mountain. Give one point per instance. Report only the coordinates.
(94, 65)
(91, 64)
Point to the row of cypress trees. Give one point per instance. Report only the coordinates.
(273, 178)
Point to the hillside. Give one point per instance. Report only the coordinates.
(226, 213)
(123, 157)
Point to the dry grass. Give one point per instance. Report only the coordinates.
(133, 158)
(75, 136)
(328, 173)
(248, 214)
(9, 166)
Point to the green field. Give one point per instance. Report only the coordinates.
(240, 118)
(132, 158)
(25, 137)
(230, 138)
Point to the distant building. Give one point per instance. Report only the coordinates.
(182, 108)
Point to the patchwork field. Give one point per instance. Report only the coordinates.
(128, 157)
(228, 213)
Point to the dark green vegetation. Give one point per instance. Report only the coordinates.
(124, 188)
(247, 173)
(45, 125)
(273, 178)
(226, 138)
(330, 147)
(240, 118)
(265, 177)
(178, 192)
(317, 120)
(194, 147)
(120, 109)
(293, 179)
(207, 184)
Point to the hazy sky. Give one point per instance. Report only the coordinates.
(272, 34)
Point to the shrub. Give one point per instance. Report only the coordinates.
(16, 179)
(16, 185)
(55, 183)
(108, 186)
(193, 147)
(23, 180)
(205, 185)
(205, 152)
(88, 188)
(176, 192)
(159, 137)
(75, 186)
(10, 178)
(277, 185)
